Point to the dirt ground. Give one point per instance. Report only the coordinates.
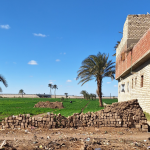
(88, 138)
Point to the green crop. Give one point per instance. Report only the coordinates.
(16, 106)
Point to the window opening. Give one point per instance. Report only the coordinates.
(122, 87)
(123, 56)
(135, 81)
(128, 87)
(142, 81)
(132, 83)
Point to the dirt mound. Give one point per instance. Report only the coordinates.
(48, 104)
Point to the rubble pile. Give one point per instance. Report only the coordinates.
(48, 104)
(122, 114)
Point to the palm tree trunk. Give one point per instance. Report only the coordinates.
(22, 95)
(99, 86)
(55, 93)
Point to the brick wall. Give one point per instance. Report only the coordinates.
(141, 48)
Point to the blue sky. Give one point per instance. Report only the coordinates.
(44, 42)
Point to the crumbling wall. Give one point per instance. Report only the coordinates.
(122, 114)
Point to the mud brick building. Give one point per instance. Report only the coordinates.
(133, 61)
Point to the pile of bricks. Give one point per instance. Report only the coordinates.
(122, 114)
(48, 104)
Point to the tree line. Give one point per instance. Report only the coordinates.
(93, 67)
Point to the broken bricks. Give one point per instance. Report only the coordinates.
(122, 114)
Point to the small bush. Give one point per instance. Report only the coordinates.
(1, 97)
(147, 115)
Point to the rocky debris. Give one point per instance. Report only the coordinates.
(70, 139)
(6, 145)
(48, 104)
(122, 114)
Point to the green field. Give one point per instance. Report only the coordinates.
(16, 106)
(93, 106)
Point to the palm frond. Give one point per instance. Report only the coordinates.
(2, 79)
(21, 91)
(96, 66)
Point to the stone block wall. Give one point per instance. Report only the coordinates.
(138, 25)
(123, 114)
(135, 89)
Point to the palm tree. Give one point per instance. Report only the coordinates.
(66, 94)
(98, 67)
(21, 92)
(83, 92)
(92, 95)
(51, 87)
(118, 42)
(87, 96)
(97, 92)
(2, 79)
(0, 89)
(55, 87)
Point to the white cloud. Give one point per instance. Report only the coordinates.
(63, 53)
(5, 26)
(51, 81)
(32, 62)
(57, 60)
(41, 35)
(69, 81)
(108, 82)
(115, 85)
